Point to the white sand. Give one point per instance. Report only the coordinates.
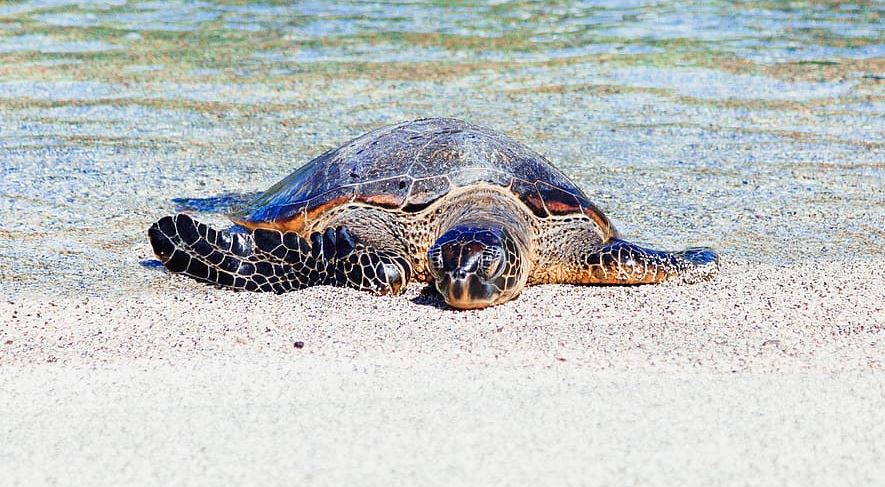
(250, 419)
(765, 376)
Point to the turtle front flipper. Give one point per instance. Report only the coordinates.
(620, 262)
(273, 261)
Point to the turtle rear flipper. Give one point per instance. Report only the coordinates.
(272, 261)
(621, 262)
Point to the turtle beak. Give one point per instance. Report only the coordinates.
(467, 291)
(457, 291)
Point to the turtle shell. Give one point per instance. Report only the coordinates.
(408, 166)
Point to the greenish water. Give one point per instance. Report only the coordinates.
(754, 127)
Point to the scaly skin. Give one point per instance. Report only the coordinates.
(573, 250)
(620, 262)
(272, 261)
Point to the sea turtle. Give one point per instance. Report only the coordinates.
(435, 200)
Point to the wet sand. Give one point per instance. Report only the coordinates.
(760, 134)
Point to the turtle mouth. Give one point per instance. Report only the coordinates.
(468, 292)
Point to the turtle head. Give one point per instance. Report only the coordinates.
(475, 266)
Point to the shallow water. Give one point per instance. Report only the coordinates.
(755, 127)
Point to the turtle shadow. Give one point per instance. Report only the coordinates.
(429, 296)
(222, 203)
(152, 264)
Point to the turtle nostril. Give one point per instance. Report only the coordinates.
(460, 274)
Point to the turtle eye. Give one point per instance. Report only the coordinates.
(492, 263)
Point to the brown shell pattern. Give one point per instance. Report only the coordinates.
(408, 166)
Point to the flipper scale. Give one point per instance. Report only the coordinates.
(621, 262)
(272, 261)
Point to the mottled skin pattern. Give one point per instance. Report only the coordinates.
(434, 200)
(271, 261)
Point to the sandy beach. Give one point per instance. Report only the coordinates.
(821, 318)
(678, 121)
(769, 371)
